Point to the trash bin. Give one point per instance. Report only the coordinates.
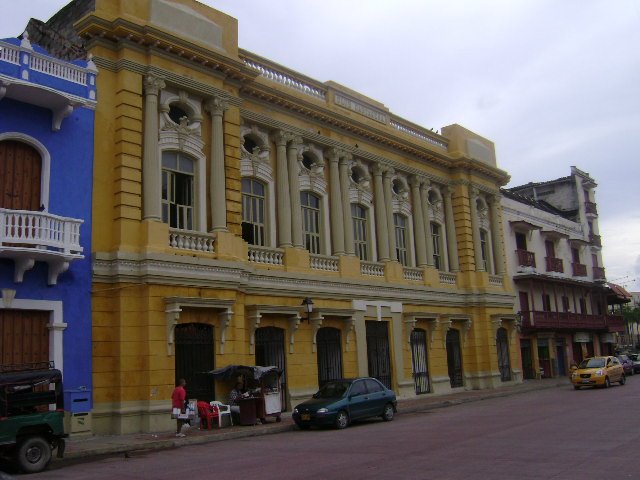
(77, 415)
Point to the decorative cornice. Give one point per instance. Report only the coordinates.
(121, 33)
(220, 275)
(170, 78)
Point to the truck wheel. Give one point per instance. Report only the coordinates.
(33, 454)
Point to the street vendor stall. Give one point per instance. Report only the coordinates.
(261, 397)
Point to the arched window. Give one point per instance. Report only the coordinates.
(400, 225)
(310, 221)
(253, 212)
(360, 229)
(177, 190)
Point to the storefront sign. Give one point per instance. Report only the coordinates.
(581, 337)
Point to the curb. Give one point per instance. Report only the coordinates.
(407, 405)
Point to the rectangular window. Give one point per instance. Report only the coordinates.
(583, 306)
(565, 303)
(310, 221)
(575, 254)
(177, 190)
(483, 249)
(253, 219)
(521, 241)
(400, 224)
(550, 249)
(435, 240)
(546, 302)
(359, 217)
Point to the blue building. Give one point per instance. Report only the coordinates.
(46, 168)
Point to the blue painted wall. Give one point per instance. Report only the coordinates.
(70, 195)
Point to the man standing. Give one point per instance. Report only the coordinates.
(178, 398)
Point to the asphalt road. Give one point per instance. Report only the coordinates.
(555, 433)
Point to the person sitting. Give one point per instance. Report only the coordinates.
(234, 401)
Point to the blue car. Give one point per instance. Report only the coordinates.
(339, 402)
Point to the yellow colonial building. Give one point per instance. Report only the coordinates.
(229, 188)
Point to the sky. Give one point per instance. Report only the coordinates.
(553, 84)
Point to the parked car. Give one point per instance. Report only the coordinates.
(339, 402)
(29, 429)
(598, 372)
(627, 364)
(635, 358)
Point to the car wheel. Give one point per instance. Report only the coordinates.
(623, 380)
(607, 382)
(33, 454)
(342, 420)
(577, 387)
(387, 413)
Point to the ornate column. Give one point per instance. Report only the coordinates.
(282, 191)
(452, 241)
(496, 234)
(216, 107)
(335, 201)
(349, 245)
(381, 215)
(151, 164)
(475, 228)
(426, 213)
(388, 203)
(294, 192)
(418, 221)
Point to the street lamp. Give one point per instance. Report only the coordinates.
(307, 303)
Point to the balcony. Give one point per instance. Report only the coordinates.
(554, 264)
(590, 208)
(579, 269)
(595, 240)
(526, 258)
(598, 273)
(27, 237)
(539, 320)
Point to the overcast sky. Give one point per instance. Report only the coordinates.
(552, 83)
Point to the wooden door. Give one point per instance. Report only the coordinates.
(20, 176)
(24, 336)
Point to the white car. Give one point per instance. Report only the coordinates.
(635, 358)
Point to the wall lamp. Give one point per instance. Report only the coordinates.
(307, 303)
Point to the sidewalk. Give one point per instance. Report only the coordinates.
(84, 448)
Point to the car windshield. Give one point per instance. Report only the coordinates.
(593, 363)
(332, 390)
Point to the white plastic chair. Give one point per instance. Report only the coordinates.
(222, 410)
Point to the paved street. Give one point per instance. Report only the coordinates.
(556, 433)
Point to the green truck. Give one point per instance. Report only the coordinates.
(31, 415)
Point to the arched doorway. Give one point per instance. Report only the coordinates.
(454, 358)
(329, 354)
(195, 355)
(504, 361)
(270, 351)
(419, 360)
(20, 176)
